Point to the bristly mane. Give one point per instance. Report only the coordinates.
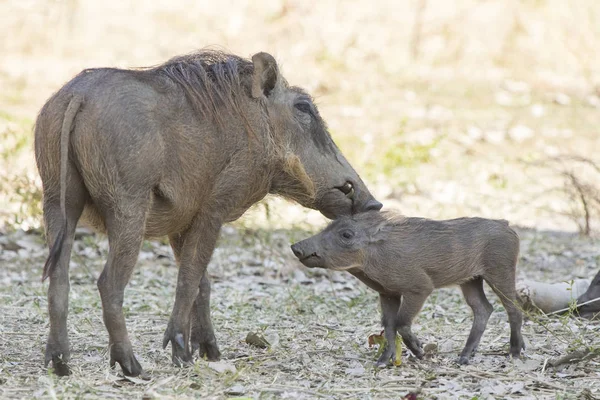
(214, 82)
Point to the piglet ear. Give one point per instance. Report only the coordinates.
(379, 232)
(265, 75)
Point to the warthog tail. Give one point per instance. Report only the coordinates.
(67, 126)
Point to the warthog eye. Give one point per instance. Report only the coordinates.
(303, 106)
(348, 189)
(347, 234)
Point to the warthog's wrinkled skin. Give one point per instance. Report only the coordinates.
(176, 150)
(404, 259)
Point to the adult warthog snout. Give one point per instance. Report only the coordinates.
(349, 198)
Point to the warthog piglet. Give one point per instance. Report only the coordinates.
(404, 259)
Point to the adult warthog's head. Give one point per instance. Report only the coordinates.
(314, 172)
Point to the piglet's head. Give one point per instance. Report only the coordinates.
(344, 244)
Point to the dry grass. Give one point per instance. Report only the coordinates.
(444, 111)
(318, 325)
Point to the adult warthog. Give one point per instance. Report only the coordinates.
(177, 150)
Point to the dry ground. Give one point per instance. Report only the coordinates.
(317, 323)
(452, 110)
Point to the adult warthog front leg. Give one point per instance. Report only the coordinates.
(195, 248)
(203, 335)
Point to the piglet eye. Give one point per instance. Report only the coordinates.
(347, 234)
(303, 106)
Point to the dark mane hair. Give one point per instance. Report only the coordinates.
(213, 81)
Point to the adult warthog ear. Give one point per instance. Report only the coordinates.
(265, 74)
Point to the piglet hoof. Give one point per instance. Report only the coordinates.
(123, 354)
(386, 359)
(206, 345)
(463, 360)
(416, 348)
(516, 347)
(515, 354)
(59, 360)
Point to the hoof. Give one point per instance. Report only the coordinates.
(60, 367)
(515, 356)
(180, 354)
(386, 359)
(463, 360)
(207, 347)
(123, 355)
(59, 358)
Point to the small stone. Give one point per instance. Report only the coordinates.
(236, 390)
(430, 348)
(222, 366)
(355, 369)
(447, 347)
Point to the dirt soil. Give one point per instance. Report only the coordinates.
(317, 324)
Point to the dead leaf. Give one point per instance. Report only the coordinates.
(381, 342)
(257, 340)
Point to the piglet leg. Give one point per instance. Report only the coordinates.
(389, 312)
(412, 303)
(482, 309)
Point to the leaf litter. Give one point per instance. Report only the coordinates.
(316, 325)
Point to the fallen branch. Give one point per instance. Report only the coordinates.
(575, 356)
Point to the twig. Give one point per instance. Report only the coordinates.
(568, 308)
(582, 196)
(544, 366)
(576, 356)
(279, 388)
(378, 389)
(547, 384)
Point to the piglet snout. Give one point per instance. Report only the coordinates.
(297, 251)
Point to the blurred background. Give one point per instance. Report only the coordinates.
(446, 108)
